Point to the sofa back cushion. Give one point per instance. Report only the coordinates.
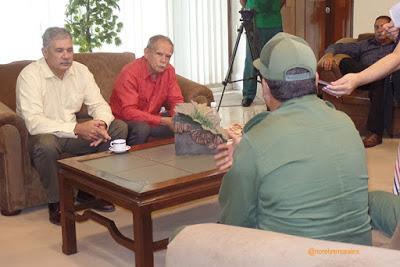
(8, 79)
(104, 66)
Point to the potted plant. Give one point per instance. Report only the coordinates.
(93, 23)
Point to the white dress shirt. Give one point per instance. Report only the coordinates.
(48, 104)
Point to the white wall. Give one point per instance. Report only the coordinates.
(365, 12)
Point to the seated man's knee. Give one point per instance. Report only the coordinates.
(384, 209)
(118, 129)
(45, 145)
(138, 132)
(350, 65)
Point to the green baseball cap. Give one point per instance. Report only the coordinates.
(283, 53)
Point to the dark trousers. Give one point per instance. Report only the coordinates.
(46, 149)
(380, 94)
(139, 132)
(250, 73)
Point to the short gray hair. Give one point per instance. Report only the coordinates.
(55, 33)
(285, 90)
(154, 39)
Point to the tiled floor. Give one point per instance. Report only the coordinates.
(232, 112)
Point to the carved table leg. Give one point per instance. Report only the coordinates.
(67, 217)
(143, 235)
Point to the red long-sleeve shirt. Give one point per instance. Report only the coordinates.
(137, 97)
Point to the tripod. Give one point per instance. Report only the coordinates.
(248, 24)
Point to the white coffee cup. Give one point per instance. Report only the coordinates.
(118, 145)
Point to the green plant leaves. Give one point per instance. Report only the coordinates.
(92, 23)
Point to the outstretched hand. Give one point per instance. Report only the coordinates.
(343, 86)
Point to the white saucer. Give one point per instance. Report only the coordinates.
(119, 151)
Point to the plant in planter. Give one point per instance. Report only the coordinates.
(197, 129)
(93, 23)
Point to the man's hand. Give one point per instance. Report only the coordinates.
(168, 122)
(391, 31)
(93, 130)
(343, 86)
(243, 2)
(224, 157)
(327, 61)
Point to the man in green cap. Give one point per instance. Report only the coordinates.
(300, 167)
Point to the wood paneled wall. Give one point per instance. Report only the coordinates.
(320, 22)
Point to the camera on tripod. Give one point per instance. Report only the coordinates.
(247, 14)
(247, 19)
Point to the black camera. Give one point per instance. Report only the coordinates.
(247, 14)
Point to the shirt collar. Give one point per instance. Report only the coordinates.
(48, 73)
(146, 72)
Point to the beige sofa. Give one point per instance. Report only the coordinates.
(230, 246)
(20, 186)
(223, 245)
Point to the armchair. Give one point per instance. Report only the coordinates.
(357, 104)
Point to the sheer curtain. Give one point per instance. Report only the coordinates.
(198, 29)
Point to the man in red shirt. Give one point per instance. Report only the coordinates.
(142, 88)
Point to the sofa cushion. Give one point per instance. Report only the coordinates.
(8, 77)
(224, 245)
(105, 68)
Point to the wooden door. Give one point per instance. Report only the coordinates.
(319, 22)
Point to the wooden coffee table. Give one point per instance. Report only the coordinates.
(147, 178)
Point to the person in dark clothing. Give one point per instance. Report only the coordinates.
(363, 54)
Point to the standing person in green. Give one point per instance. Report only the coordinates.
(268, 22)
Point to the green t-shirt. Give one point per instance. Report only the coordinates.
(300, 170)
(268, 13)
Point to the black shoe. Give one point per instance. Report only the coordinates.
(104, 206)
(54, 213)
(101, 205)
(246, 102)
(83, 197)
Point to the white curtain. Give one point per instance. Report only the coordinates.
(198, 29)
(237, 70)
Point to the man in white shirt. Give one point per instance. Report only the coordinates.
(50, 91)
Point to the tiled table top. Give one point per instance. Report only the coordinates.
(136, 169)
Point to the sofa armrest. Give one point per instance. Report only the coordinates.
(15, 161)
(194, 91)
(9, 117)
(334, 73)
(222, 245)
